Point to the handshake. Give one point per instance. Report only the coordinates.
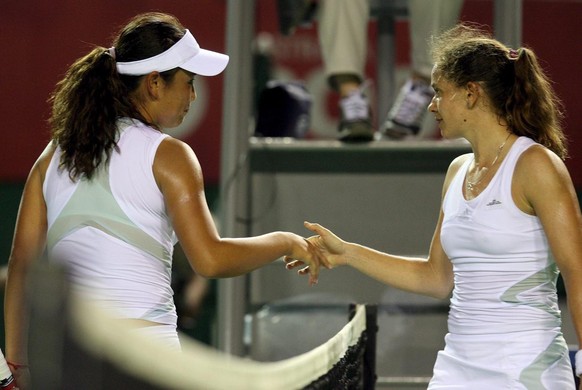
(324, 249)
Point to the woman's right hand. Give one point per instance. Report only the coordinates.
(329, 246)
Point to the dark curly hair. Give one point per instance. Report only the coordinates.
(91, 97)
(519, 90)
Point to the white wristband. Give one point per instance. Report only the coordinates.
(578, 363)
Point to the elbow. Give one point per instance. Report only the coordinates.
(208, 270)
(442, 294)
(209, 266)
(445, 291)
(441, 290)
(205, 260)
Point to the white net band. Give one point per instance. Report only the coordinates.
(201, 367)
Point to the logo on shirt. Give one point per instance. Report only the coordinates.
(494, 202)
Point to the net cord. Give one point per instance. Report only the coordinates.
(201, 367)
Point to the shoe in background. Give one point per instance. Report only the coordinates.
(356, 118)
(405, 118)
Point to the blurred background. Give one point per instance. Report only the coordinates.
(40, 39)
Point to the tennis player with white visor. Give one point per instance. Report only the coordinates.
(112, 194)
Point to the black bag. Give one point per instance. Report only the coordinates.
(283, 110)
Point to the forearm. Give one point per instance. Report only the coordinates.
(410, 274)
(230, 257)
(15, 321)
(574, 297)
(28, 245)
(575, 308)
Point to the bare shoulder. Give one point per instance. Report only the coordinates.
(174, 153)
(171, 145)
(539, 168)
(539, 164)
(175, 161)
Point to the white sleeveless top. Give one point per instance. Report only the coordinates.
(112, 232)
(504, 320)
(505, 277)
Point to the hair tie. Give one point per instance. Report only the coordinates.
(111, 52)
(513, 54)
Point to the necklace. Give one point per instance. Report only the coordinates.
(483, 173)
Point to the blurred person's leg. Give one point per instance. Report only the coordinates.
(343, 34)
(426, 18)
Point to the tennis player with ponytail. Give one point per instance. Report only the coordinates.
(112, 194)
(510, 222)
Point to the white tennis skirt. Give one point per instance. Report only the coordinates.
(532, 360)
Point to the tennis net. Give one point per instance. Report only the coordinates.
(86, 348)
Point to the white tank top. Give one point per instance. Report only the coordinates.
(504, 274)
(112, 233)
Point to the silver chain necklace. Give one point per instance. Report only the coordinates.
(485, 170)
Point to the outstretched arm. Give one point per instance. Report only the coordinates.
(432, 276)
(179, 177)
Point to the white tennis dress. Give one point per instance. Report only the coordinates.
(504, 320)
(112, 233)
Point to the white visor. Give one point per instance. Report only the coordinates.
(185, 54)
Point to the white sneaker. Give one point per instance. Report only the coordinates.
(406, 115)
(355, 124)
